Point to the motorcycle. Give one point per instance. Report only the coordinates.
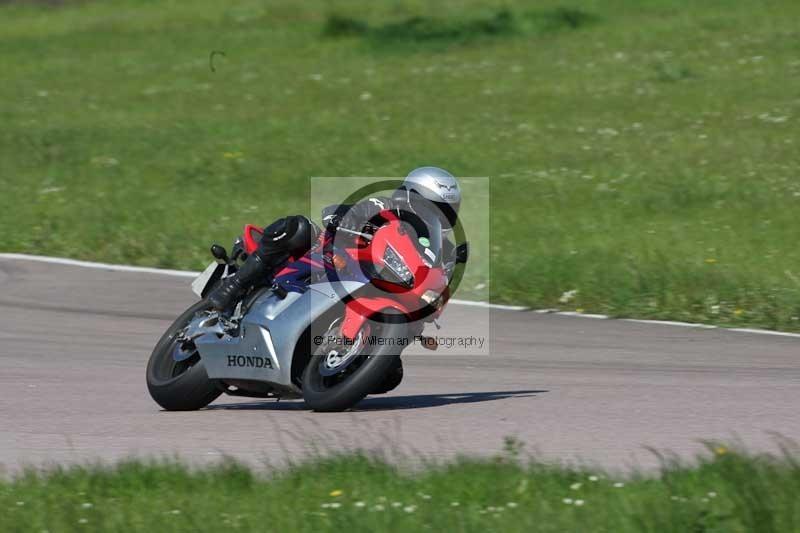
(329, 327)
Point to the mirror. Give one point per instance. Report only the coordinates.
(462, 252)
(219, 253)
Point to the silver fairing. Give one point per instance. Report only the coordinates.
(269, 333)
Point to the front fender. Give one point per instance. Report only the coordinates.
(358, 310)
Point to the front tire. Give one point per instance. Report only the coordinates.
(184, 385)
(392, 379)
(340, 392)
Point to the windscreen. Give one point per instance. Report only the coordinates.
(427, 232)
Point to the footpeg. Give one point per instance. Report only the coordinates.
(279, 291)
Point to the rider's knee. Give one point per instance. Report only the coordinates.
(294, 234)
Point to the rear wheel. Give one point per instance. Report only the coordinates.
(338, 377)
(176, 377)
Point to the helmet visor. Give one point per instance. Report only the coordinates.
(447, 213)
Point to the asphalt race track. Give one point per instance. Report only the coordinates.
(74, 343)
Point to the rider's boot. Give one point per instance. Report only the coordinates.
(292, 234)
(254, 269)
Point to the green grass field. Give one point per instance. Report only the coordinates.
(643, 154)
(725, 492)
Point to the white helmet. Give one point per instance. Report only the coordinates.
(435, 185)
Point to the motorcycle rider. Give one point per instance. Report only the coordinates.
(294, 235)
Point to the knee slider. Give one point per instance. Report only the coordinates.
(302, 233)
(293, 234)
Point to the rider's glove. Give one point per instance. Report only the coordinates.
(330, 218)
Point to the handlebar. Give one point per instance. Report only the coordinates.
(366, 236)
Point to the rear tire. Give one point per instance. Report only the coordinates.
(353, 388)
(179, 386)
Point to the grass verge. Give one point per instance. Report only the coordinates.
(726, 491)
(642, 165)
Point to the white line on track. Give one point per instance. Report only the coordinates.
(99, 266)
(765, 332)
(488, 305)
(190, 274)
(672, 323)
(668, 323)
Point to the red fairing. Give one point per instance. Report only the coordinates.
(252, 237)
(357, 311)
(403, 299)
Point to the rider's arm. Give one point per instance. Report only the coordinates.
(354, 216)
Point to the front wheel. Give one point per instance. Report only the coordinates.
(338, 377)
(180, 383)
